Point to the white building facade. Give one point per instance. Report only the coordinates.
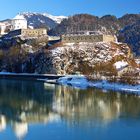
(5, 27)
(19, 22)
(2, 28)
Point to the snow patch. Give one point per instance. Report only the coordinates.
(120, 64)
(57, 19)
(82, 82)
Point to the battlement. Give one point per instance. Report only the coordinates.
(76, 38)
(28, 32)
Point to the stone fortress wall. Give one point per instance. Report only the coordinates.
(28, 32)
(76, 38)
(33, 32)
(109, 38)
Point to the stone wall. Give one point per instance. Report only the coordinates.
(33, 32)
(109, 38)
(28, 33)
(87, 38)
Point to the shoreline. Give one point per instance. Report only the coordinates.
(120, 87)
(77, 81)
(83, 83)
(29, 76)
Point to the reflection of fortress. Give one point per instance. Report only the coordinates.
(44, 103)
(85, 106)
(2, 123)
(19, 128)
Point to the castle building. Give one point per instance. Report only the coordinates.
(19, 22)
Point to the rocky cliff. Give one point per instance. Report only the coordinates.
(85, 58)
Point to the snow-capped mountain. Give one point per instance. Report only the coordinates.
(57, 19)
(37, 20)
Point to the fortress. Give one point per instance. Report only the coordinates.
(87, 37)
(29, 32)
(18, 26)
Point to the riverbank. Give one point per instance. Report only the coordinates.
(74, 81)
(29, 76)
(82, 82)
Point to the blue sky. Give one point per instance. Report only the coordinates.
(9, 8)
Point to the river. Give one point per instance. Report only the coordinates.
(31, 110)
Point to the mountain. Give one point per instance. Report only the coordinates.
(108, 24)
(131, 35)
(126, 28)
(129, 19)
(37, 20)
(57, 19)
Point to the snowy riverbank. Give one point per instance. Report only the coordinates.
(75, 81)
(82, 82)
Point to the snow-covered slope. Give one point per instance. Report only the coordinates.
(83, 57)
(57, 19)
(36, 20)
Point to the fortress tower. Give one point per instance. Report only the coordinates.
(19, 22)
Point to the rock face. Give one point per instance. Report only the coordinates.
(82, 57)
(65, 58)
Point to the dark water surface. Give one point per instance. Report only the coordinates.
(38, 111)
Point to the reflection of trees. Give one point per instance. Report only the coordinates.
(85, 105)
(93, 105)
(19, 99)
(23, 102)
(26, 96)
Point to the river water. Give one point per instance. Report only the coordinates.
(38, 111)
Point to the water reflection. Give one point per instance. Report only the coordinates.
(20, 129)
(26, 102)
(2, 123)
(82, 106)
